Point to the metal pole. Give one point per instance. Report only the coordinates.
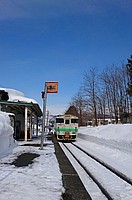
(26, 122)
(47, 119)
(43, 136)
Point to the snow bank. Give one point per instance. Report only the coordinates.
(5, 127)
(7, 142)
(111, 131)
(112, 135)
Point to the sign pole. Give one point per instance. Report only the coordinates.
(50, 87)
(43, 135)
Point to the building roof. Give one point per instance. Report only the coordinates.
(18, 101)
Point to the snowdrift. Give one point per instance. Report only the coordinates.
(7, 142)
(118, 136)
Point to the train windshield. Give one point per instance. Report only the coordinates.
(74, 121)
(67, 121)
(59, 120)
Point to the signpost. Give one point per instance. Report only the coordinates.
(50, 87)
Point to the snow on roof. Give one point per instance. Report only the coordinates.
(15, 96)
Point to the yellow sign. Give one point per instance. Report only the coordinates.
(52, 86)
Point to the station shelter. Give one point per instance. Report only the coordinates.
(25, 113)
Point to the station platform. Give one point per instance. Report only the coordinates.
(74, 188)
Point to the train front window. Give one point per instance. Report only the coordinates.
(59, 120)
(67, 121)
(74, 121)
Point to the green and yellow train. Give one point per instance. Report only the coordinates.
(66, 127)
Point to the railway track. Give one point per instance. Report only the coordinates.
(112, 183)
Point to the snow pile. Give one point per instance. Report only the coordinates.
(111, 131)
(112, 135)
(7, 142)
(15, 96)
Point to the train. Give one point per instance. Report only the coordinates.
(66, 127)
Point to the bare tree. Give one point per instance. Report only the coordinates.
(90, 89)
(79, 102)
(111, 85)
(105, 92)
(102, 105)
(114, 83)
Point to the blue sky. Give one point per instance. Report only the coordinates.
(57, 40)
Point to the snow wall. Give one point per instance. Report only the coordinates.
(7, 142)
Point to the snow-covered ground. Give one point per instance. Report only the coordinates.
(42, 179)
(113, 145)
(117, 136)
